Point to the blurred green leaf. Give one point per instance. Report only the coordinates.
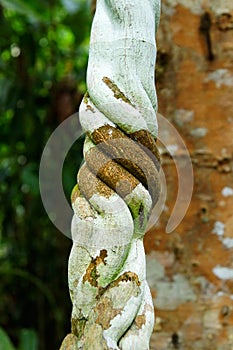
(65, 37)
(30, 178)
(5, 343)
(28, 340)
(30, 9)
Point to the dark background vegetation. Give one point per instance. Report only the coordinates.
(43, 56)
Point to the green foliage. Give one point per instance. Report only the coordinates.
(28, 340)
(43, 57)
(5, 343)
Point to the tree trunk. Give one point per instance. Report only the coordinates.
(118, 183)
(191, 270)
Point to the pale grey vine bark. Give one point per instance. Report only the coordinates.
(117, 185)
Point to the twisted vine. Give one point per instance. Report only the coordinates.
(117, 185)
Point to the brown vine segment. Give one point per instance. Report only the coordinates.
(90, 184)
(110, 172)
(142, 162)
(145, 138)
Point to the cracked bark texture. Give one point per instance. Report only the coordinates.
(118, 184)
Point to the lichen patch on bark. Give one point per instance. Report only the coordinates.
(92, 273)
(140, 320)
(90, 108)
(141, 215)
(118, 94)
(126, 277)
(69, 343)
(77, 326)
(86, 97)
(94, 339)
(106, 312)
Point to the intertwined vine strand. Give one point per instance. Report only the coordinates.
(118, 184)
